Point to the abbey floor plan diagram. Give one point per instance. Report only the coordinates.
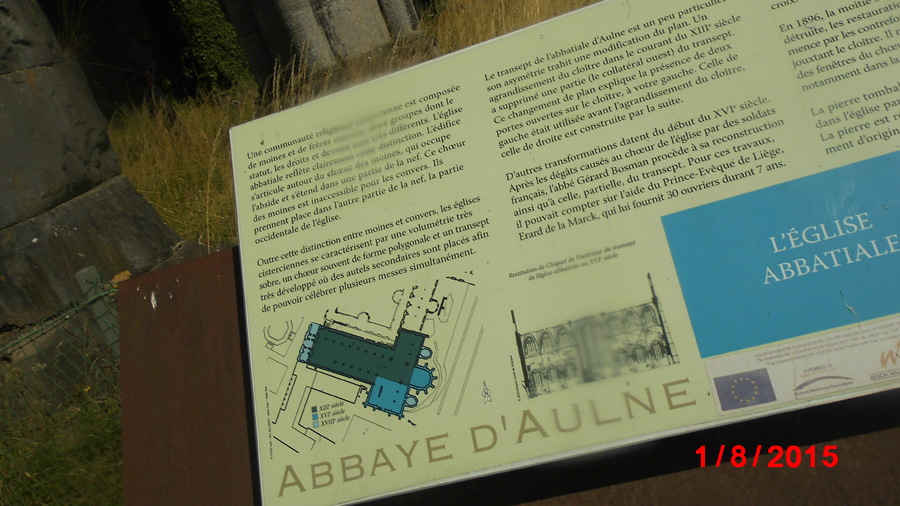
(359, 371)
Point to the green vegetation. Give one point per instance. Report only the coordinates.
(212, 57)
(183, 166)
(60, 424)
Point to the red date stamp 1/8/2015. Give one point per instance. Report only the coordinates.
(790, 456)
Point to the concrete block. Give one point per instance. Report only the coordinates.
(111, 227)
(53, 139)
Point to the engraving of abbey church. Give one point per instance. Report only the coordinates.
(603, 345)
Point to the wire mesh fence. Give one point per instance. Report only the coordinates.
(60, 415)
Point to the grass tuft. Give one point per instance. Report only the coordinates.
(177, 156)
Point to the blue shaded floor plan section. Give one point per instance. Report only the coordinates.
(392, 372)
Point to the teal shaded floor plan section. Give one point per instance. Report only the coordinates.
(391, 372)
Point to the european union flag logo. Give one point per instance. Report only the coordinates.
(744, 389)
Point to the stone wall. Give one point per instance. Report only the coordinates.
(63, 203)
(321, 32)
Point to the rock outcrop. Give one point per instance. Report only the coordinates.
(321, 32)
(63, 203)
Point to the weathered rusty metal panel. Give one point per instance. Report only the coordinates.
(185, 432)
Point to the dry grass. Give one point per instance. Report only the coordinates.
(462, 23)
(182, 165)
(180, 160)
(292, 84)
